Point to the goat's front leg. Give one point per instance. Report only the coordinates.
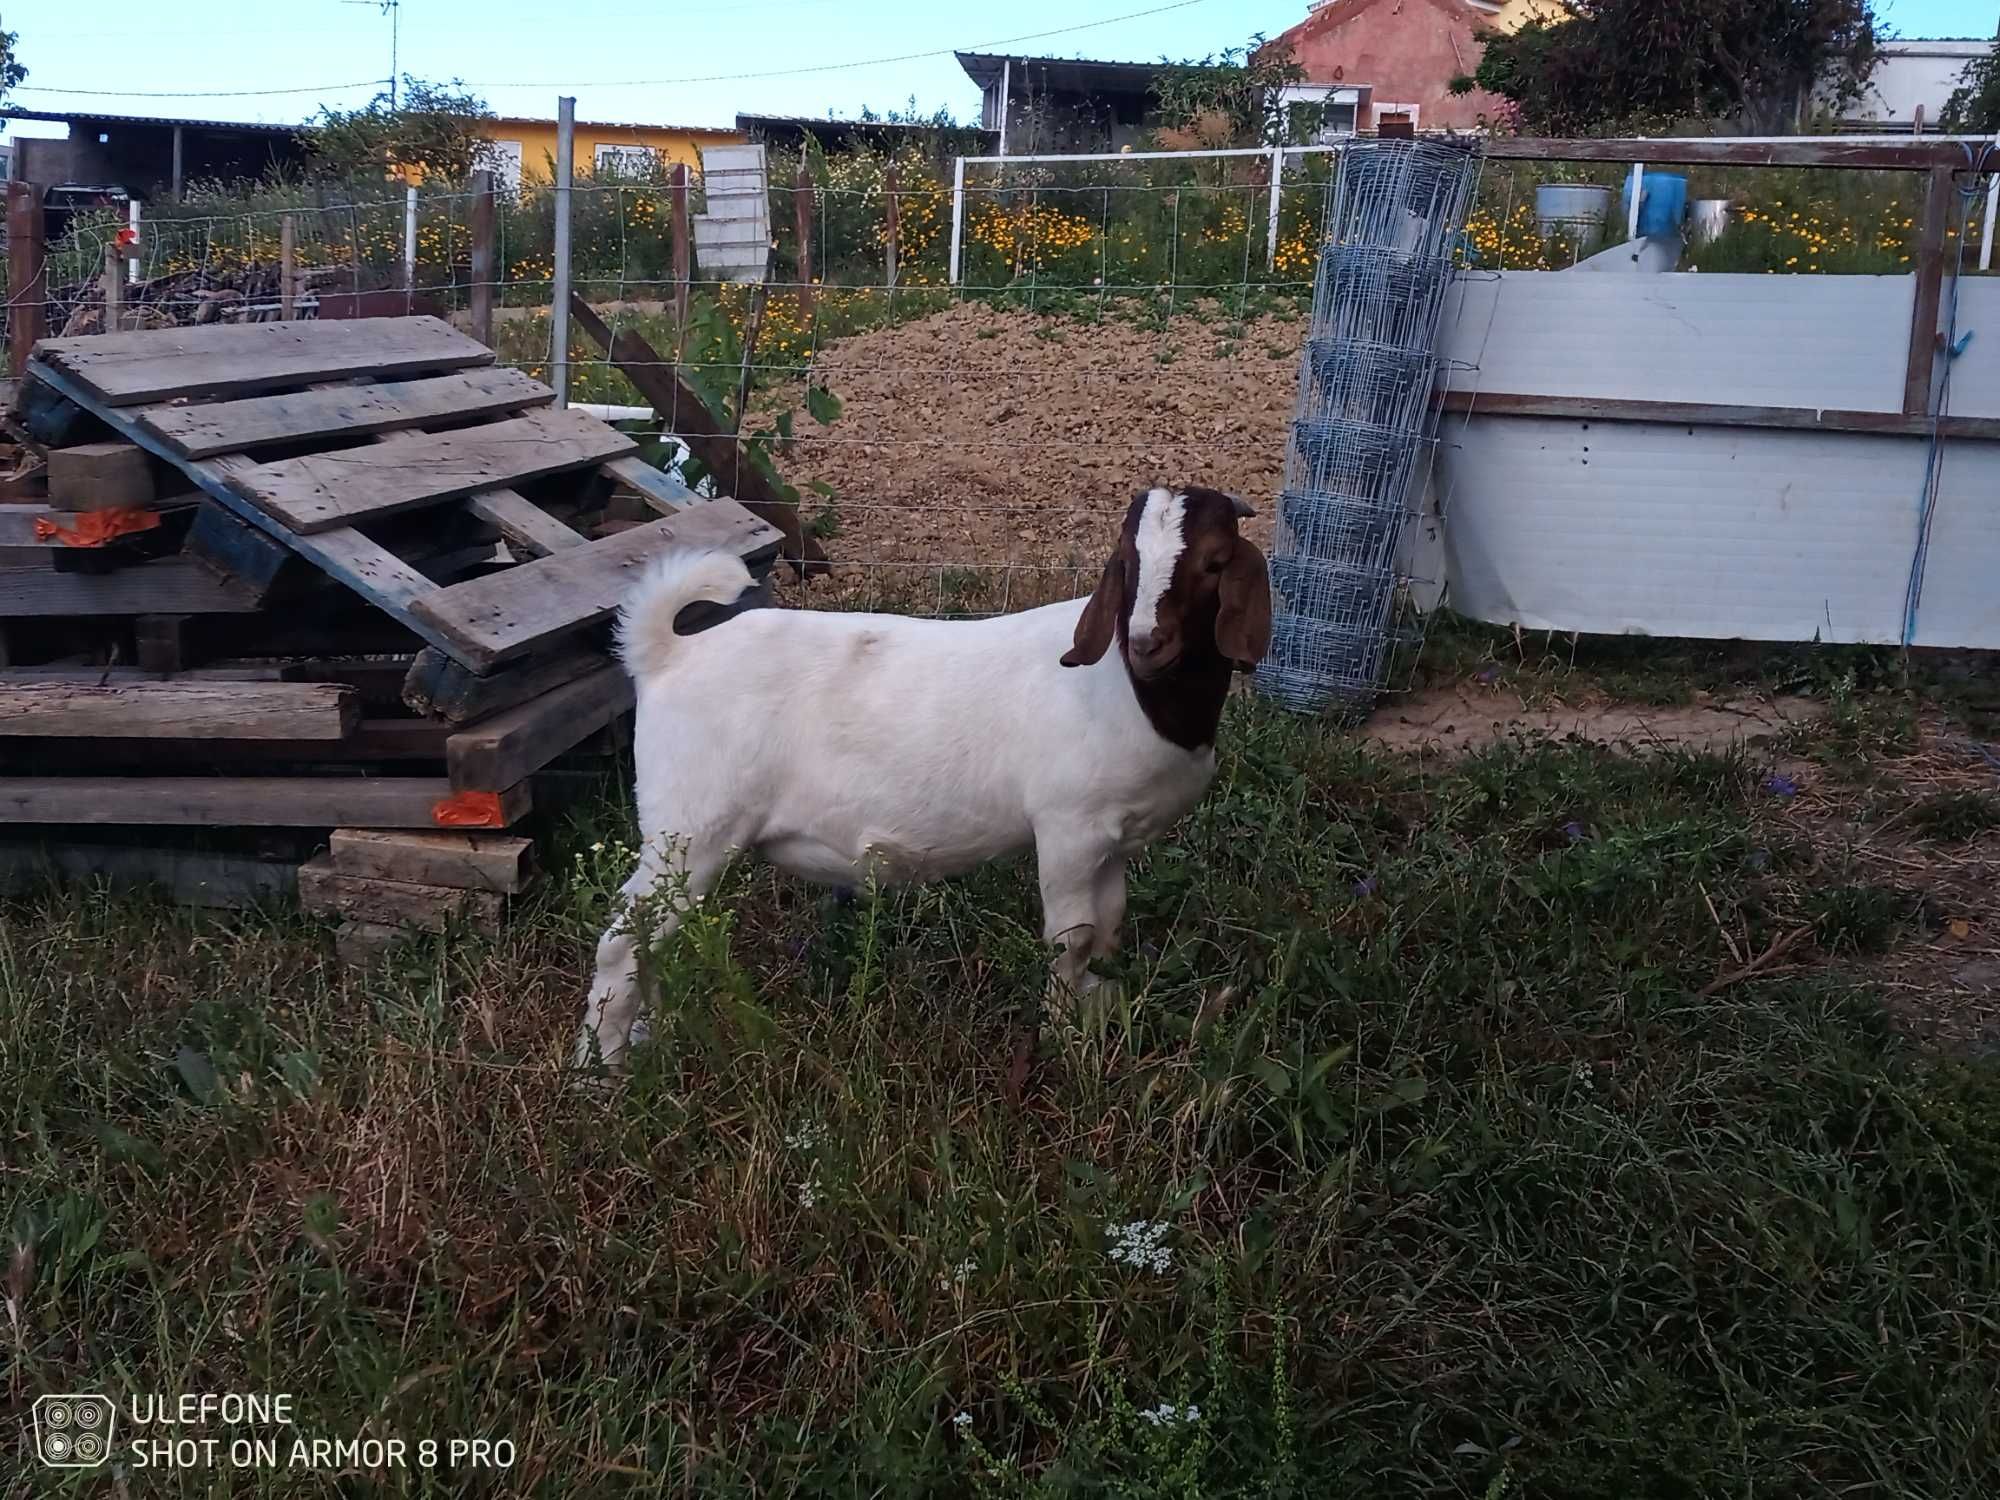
(1075, 912)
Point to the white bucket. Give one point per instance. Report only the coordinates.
(1572, 210)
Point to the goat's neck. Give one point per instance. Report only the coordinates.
(1184, 706)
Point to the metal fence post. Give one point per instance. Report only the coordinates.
(957, 213)
(565, 181)
(1277, 193)
(410, 240)
(484, 257)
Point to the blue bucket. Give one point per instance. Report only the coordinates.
(1662, 203)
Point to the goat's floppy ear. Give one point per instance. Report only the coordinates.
(1243, 624)
(1100, 617)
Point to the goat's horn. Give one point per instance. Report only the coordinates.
(1242, 507)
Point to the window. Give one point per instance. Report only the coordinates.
(505, 160)
(627, 161)
(1397, 114)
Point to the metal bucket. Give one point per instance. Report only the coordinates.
(1707, 218)
(1571, 210)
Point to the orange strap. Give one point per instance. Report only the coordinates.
(469, 810)
(93, 528)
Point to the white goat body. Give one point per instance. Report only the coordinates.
(845, 746)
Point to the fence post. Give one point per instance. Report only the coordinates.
(1277, 193)
(288, 267)
(134, 213)
(682, 259)
(1921, 367)
(957, 214)
(1992, 204)
(802, 214)
(409, 247)
(114, 288)
(27, 274)
(565, 182)
(484, 255)
(889, 226)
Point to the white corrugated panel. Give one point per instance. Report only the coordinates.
(732, 239)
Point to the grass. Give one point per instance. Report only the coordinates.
(1412, 1161)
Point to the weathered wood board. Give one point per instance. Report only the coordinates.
(242, 801)
(129, 369)
(467, 861)
(164, 586)
(341, 411)
(190, 877)
(434, 908)
(180, 710)
(517, 743)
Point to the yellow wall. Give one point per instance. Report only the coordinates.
(1514, 14)
(537, 139)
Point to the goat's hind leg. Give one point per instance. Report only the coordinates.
(613, 1006)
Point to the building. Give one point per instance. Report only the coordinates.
(1514, 14)
(790, 132)
(525, 149)
(147, 157)
(1912, 75)
(1405, 53)
(1051, 104)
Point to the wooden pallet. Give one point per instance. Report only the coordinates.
(257, 416)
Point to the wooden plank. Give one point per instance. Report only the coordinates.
(342, 411)
(663, 493)
(364, 566)
(1920, 368)
(241, 801)
(443, 688)
(1706, 414)
(199, 710)
(159, 642)
(234, 550)
(1798, 151)
(687, 416)
(100, 476)
(372, 740)
(164, 586)
(99, 676)
(131, 369)
(191, 877)
(326, 490)
(523, 522)
(485, 257)
(396, 903)
(511, 746)
(467, 861)
(510, 614)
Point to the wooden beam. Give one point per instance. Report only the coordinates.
(497, 619)
(372, 740)
(322, 491)
(464, 861)
(198, 710)
(1934, 217)
(251, 561)
(688, 418)
(342, 411)
(131, 369)
(443, 688)
(244, 801)
(1695, 151)
(512, 746)
(288, 266)
(434, 908)
(165, 586)
(526, 524)
(190, 877)
(27, 274)
(485, 258)
(1707, 414)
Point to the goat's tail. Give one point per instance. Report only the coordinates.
(646, 638)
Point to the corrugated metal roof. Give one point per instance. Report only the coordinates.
(76, 116)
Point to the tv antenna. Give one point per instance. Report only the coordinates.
(393, 9)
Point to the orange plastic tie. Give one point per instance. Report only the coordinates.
(469, 810)
(93, 528)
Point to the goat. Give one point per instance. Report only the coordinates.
(845, 747)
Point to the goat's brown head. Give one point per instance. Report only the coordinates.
(1182, 586)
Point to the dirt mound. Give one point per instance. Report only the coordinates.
(982, 457)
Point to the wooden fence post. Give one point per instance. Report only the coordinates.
(889, 220)
(485, 255)
(1921, 367)
(114, 288)
(682, 258)
(27, 274)
(288, 267)
(802, 213)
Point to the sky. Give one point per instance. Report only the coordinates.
(677, 62)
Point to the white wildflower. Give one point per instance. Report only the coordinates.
(808, 1137)
(962, 1421)
(1166, 1414)
(958, 1275)
(1584, 1074)
(598, 847)
(809, 1192)
(1141, 1245)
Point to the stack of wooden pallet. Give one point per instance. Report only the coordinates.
(306, 576)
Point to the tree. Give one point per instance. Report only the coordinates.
(1974, 106)
(1227, 99)
(434, 130)
(1638, 64)
(11, 71)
